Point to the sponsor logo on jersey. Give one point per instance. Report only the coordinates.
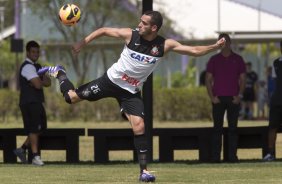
(143, 58)
(130, 80)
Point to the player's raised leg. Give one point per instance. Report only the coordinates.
(66, 86)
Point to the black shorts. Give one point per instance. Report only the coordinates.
(103, 87)
(249, 96)
(34, 117)
(275, 116)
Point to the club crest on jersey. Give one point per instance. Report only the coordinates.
(155, 50)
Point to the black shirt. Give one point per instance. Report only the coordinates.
(28, 93)
(152, 48)
(276, 98)
(251, 79)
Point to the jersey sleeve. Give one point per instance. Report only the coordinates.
(29, 72)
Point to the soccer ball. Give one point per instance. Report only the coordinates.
(69, 14)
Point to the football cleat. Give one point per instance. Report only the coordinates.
(21, 154)
(146, 176)
(51, 71)
(269, 157)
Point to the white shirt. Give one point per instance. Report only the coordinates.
(132, 69)
(29, 70)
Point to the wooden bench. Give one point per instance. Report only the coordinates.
(248, 138)
(52, 139)
(8, 142)
(111, 139)
(171, 139)
(105, 140)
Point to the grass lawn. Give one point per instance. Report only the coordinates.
(179, 172)
(184, 170)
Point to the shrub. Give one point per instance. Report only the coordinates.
(181, 104)
(176, 104)
(9, 104)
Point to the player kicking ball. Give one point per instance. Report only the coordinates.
(123, 81)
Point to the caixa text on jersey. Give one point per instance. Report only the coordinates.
(142, 58)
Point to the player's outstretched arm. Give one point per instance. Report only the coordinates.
(172, 45)
(122, 33)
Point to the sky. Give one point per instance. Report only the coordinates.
(270, 6)
(203, 18)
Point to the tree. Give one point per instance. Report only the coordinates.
(7, 62)
(8, 11)
(95, 14)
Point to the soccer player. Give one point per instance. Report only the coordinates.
(124, 79)
(275, 108)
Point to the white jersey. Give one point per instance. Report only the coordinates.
(137, 61)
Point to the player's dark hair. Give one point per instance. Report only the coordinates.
(156, 18)
(31, 44)
(224, 35)
(249, 63)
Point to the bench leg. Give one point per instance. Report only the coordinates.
(9, 144)
(165, 149)
(72, 149)
(204, 149)
(101, 153)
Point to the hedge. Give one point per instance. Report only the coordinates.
(178, 104)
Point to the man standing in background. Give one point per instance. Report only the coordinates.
(31, 103)
(225, 81)
(250, 92)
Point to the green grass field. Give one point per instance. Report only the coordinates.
(179, 172)
(185, 169)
